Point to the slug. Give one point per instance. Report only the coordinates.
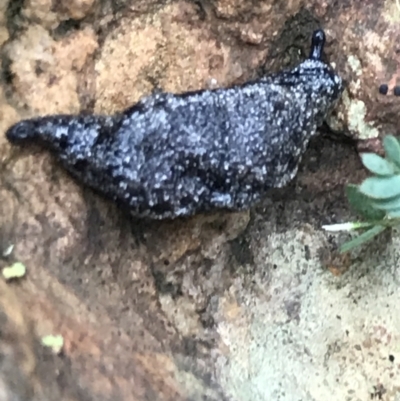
(173, 155)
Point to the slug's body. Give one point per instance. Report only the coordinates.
(177, 155)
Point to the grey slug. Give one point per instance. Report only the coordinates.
(174, 155)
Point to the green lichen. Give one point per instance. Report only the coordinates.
(355, 64)
(356, 113)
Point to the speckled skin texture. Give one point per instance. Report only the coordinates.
(178, 155)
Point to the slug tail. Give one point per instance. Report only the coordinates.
(21, 132)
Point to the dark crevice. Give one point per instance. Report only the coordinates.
(65, 27)
(13, 16)
(14, 25)
(7, 74)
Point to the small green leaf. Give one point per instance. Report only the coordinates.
(361, 239)
(377, 165)
(8, 250)
(16, 270)
(361, 204)
(56, 343)
(350, 226)
(387, 204)
(381, 187)
(392, 149)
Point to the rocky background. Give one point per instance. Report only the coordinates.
(250, 306)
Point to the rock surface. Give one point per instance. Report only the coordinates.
(218, 307)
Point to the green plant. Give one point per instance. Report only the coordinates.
(377, 199)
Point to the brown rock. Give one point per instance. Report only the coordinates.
(76, 9)
(46, 72)
(18, 361)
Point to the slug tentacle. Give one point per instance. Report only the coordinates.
(176, 155)
(317, 45)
